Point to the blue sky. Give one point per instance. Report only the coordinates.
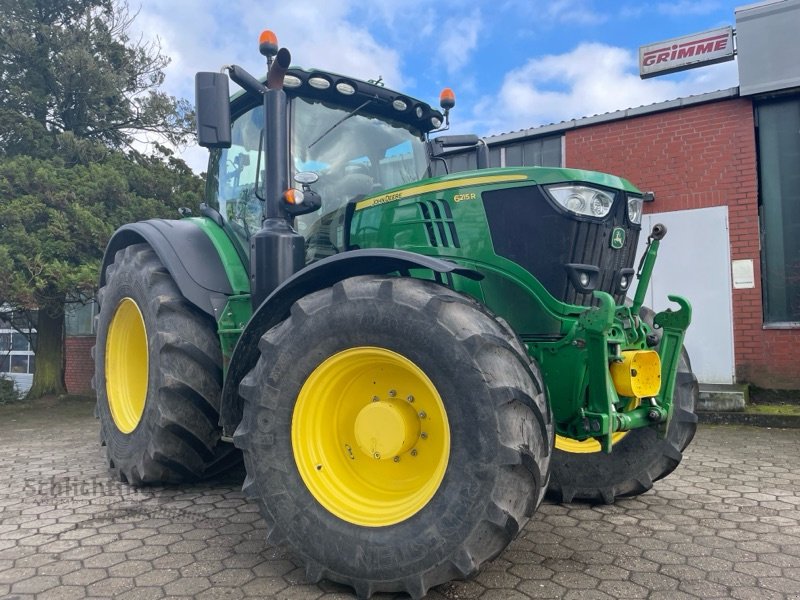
(513, 64)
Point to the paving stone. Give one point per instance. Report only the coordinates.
(141, 593)
(157, 577)
(63, 592)
(16, 574)
(35, 585)
(84, 576)
(187, 585)
(110, 586)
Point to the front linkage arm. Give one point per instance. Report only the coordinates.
(674, 325)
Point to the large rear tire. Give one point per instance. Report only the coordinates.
(582, 471)
(158, 376)
(393, 435)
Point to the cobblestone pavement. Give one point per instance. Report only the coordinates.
(726, 524)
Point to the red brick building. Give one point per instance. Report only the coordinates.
(79, 367)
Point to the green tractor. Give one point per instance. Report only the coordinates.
(407, 363)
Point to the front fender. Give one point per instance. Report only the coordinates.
(315, 277)
(186, 252)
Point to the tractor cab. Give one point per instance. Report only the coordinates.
(348, 138)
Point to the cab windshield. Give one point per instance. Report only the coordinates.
(354, 155)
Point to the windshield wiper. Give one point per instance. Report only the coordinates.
(339, 122)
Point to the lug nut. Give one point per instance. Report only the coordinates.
(375, 399)
(414, 452)
(422, 414)
(410, 398)
(424, 435)
(392, 393)
(396, 459)
(376, 456)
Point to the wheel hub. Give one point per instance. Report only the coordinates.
(385, 430)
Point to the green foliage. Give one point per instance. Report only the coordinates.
(70, 66)
(56, 219)
(8, 393)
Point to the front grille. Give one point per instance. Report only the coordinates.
(526, 228)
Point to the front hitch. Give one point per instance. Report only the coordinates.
(673, 325)
(605, 330)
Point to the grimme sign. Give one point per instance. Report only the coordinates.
(687, 52)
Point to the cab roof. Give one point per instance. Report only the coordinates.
(350, 93)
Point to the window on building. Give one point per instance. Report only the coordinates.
(779, 176)
(16, 355)
(79, 318)
(17, 341)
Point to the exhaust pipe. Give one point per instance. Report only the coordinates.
(278, 68)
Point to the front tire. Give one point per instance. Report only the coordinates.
(158, 376)
(445, 487)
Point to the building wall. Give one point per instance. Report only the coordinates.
(696, 157)
(79, 366)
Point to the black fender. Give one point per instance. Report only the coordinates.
(315, 277)
(186, 252)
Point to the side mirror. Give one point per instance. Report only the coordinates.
(212, 110)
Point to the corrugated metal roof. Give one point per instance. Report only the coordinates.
(555, 128)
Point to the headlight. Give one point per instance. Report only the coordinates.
(582, 200)
(635, 204)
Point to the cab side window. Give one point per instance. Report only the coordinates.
(237, 174)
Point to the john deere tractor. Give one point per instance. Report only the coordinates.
(407, 361)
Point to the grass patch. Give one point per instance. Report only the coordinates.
(774, 409)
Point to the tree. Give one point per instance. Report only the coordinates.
(74, 91)
(69, 66)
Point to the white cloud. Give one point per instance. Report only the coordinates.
(318, 33)
(591, 79)
(548, 13)
(683, 8)
(459, 39)
(574, 11)
(206, 36)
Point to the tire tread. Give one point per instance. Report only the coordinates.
(184, 442)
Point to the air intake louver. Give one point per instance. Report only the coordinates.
(439, 225)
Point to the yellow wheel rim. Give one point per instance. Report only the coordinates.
(590, 445)
(126, 365)
(370, 436)
(585, 446)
